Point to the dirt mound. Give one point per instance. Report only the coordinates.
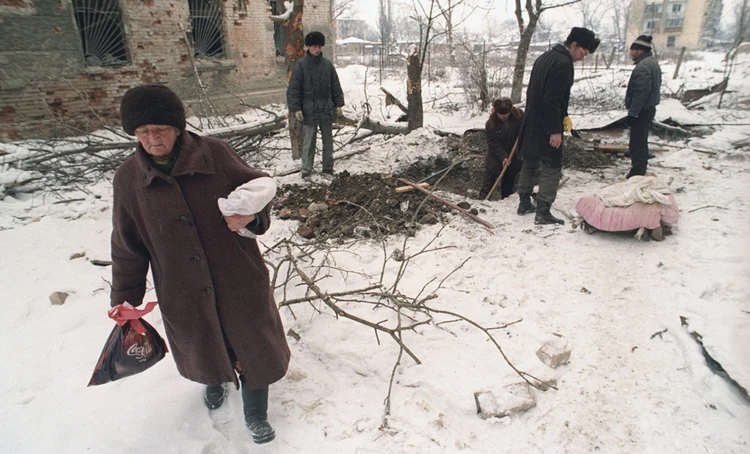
(363, 206)
(360, 206)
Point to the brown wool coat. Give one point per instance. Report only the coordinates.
(208, 279)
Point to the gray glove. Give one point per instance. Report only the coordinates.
(299, 116)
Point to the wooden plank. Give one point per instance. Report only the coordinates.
(401, 189)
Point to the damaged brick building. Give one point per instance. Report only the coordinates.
(65, 64)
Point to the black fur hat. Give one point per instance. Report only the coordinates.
(151, 105)
(315, 39)
(584, 37)
(642, 42)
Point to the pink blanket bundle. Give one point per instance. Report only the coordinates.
(633, 217)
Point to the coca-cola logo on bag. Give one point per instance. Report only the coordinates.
(140, 352)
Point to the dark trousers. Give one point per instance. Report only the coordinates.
(639, 141)
(492, 170)
(549, 179)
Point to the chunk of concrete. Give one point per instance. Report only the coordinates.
(509, 400)
(58, 298)
(554, 353)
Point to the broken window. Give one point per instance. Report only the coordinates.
(100, 29)
(207, 23)
(278, 31)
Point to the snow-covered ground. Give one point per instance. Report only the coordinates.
(624, 389)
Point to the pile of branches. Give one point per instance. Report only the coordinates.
(380, 306)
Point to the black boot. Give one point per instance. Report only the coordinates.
(525, 206)
(214, 395)
(543, 216)
(255, 405)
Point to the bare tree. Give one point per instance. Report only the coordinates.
(533, 10)
(620, 17)
(385, 25)
(291, 21)
(342, 8)
(429, 15)
(592, 12)
(741, 34)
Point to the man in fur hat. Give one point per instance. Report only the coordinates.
(641, 99)
(213, 287)
(315, 97)
(540, 140)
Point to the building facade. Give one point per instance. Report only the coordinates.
(675, 23)
(65, 64)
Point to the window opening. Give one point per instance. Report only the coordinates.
(101, 31)
(206, 21)
(278, 31)
(671, 41)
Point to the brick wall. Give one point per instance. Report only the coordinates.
(46, 88)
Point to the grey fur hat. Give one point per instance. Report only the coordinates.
(151, 105)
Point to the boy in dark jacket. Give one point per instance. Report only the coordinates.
(641, 99)
(314, 95)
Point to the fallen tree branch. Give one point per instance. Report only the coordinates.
(449, 204)
(394, 333)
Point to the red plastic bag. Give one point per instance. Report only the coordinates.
(132, 347)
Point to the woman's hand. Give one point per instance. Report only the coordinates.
(237, 222)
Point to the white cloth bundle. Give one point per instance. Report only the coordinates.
(250, 198)
(635, 189)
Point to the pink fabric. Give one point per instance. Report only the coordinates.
(620, 219)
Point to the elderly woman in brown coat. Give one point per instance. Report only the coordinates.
(219, 313)
(502, 131)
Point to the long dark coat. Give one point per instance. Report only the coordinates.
(546, 105)
(211, 283)
(314, 89)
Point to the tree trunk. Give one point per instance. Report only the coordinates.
(414, 90)
(294, 50)
(520, 65)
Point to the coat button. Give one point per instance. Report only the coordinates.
(183, 218)
(197, 257)
(208, 290)
(169, 181)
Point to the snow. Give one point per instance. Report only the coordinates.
(625, 388)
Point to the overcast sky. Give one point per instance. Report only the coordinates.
(502, 10)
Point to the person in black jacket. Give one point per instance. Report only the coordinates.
(641, 99)
(540, 140)
(502, 131)
(314, 95)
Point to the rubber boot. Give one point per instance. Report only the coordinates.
(543, 216)
(525, 206)
(255, 406)
(214, 395)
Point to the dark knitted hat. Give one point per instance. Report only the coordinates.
(151, 105)
(642, 42)
(315, 39)
(502, 105)
(584, 37)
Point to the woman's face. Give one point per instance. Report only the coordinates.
(503, 117)
(157, 140)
